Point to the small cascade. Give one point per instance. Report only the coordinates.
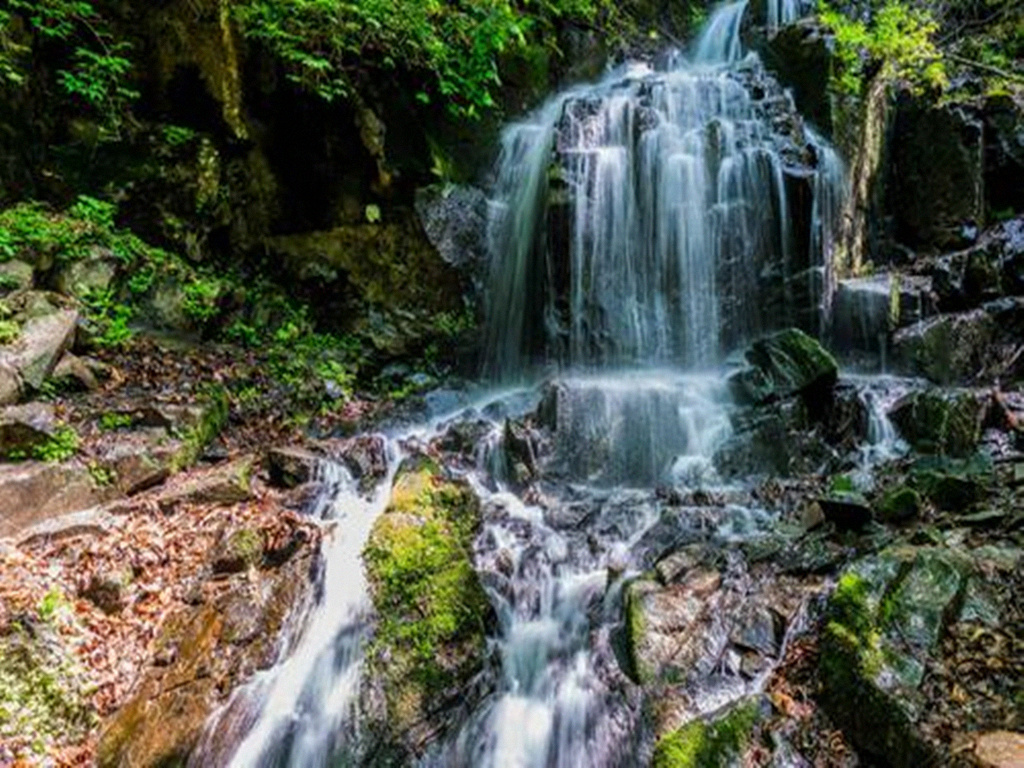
(659, 216)
(303, 712)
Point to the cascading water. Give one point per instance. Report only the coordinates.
(647, 218)
(657, 218)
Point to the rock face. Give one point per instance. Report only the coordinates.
(202, 654)
(784, 364)
(432, 612)
(939, 149)
(454, 219)
(881, 641)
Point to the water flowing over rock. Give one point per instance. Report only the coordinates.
(661, 215)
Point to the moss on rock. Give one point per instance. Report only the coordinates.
(708, 744)
(432, 611)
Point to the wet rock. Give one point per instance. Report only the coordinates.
(423, 585)
(884, 623)
(34, 492)
(778, 438)
(940, 421)
(801, 56)
(784, 364)
(204, 652)
(365, 456)
(669, 630)
(290, 467)
(848, 511)
(952, 485)
(717, 740)
(947, 349)
(1003, 114)
(25, 427)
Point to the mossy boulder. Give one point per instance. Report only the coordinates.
(784, 364)
(432, 612)
(718, 742)
(953, 485)
(947, 349)
(899, 505)
(940, 422)
(884, 625)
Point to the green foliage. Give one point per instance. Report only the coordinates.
(898, 43)
(457, 44)
(111, 422)
(97, 67)
(35, 231)
(9, 332)
(201, 295)
(102, 476)
(61, 446)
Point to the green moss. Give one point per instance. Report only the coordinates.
(213, 419)
(635, 627)
(246, 545)
(900, 504)
(9, 332)
(702, 744)
(431, 608)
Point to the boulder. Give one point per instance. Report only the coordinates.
(847, 511)
(24, 428)
(292, 466)
(229, 483)
(784, 364)
(35, 354)
(419, 566)
(15, 275)
(947, 349)
(883, 629)
(89, 276)
(45, 696)
(34, 492)
(76, 373)
(999, 749)
(454, 218)
(800, 55)
(944, 422)
(1003, 115)
(900, 505)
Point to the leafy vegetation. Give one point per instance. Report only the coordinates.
(455, 45)
(897, 43)
(96, 69)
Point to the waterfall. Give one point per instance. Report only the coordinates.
(640, 219)
(641, 226)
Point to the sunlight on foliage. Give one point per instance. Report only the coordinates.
(898, 43)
